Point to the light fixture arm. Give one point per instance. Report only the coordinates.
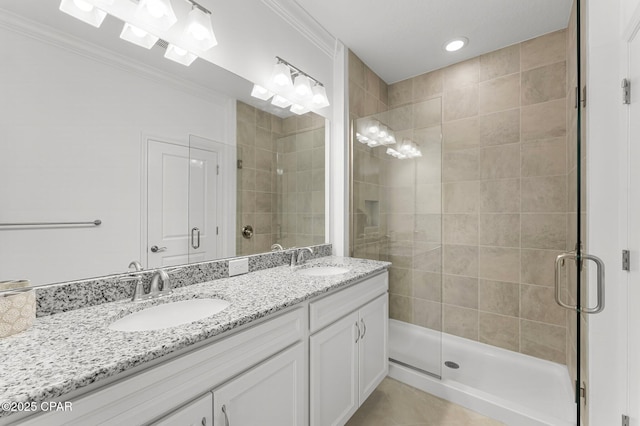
(295, 71)
(199, 6)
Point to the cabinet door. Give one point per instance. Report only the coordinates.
(270, 394)
(334, 372)
(196, 413)
(373, 356)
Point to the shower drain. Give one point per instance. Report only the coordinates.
(452, 364)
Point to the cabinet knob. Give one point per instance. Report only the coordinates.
(357, 332)
(226, 417)
(204, 421)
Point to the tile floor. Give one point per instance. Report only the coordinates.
(395, 404)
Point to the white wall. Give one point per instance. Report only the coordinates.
(70, 150)
(606, 206)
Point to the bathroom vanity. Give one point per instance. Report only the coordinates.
(296, 346)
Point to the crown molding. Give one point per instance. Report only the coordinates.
(298, 18)
(48, 35)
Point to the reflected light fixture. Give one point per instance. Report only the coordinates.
(280, 101)
(281, 76)
(199, 29)
(319, 96)
(156, 13)
(261, 93)
(138, 36)
(84, 11)
(456, 44)
(299, 109)
(179, 55)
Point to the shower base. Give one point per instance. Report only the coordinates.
(516, 389)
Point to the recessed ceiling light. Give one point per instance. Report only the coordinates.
(456, 44)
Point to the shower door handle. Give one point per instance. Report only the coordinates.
(600, 285)
(600, 282)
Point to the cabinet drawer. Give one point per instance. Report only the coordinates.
(332, 307)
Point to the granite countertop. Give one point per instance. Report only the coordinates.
(67, 351)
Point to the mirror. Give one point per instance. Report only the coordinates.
(85, 128)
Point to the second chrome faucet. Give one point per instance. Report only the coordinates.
(297, 256)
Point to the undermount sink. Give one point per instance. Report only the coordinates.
(323, 271)
(170, 314)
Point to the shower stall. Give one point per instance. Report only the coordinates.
(469, 179)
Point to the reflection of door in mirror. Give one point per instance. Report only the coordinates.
(173, 213)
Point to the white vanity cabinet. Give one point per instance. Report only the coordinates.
(349, 357)
(196, 413)
(272, 394)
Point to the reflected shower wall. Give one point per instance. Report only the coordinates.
(280, 179)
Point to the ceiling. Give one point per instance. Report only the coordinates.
(404, 38)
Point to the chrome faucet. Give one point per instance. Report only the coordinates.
(276, 247)
(160, 274)
(297, 257)
(135, 265)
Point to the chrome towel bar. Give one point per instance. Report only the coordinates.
(96, 222)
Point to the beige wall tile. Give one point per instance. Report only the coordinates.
(427, 257)
(461, 322)
(427, 285)
(499, 94)
(502, 230)
(264, 159)
(500, 331)
(460, 165)
(427, 113)
(500, 196)
(402, 200)
(543, 340)
(500, 162)
(263, 181)
(246, 113)
(462, 74)
(461, 134)
(544, 230)
(248, 179)
(544, 194)
(499, 128)
(544, 50)
(427, 313)
(542, 121)
(460, 291)
(460, 103)
(428, 198)
(460, 197)
(546, 157)
(499, 264)
(499, 297)
(460, 229)
(429, 85)
(400, 307)
(500, 62)
(263, 119)
(400, 281)
(246, 133)
(370, 104)
(428, 228)
(356, 106)
(460, 260)
(400, 93)
(544, 84)
(538, 266)
(537, 303)
(371, 82)
(356, 69)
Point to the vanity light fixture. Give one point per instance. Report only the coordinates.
(138, 36)
(84, 11)
(280, 101)
(156, 13)
(456, 44)
(179, 55)
(199, 29)
(292, 86)
(261, 93)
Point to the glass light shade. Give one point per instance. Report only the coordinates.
(299, 109)
(384, 132)
(281, 76)
(260, 92)
(156, 13)
(137, 36)
(373, 127)
(199, 30)
(179, 55)
(319, 99)
(302, 86)
(279, 101)
(84, 11)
